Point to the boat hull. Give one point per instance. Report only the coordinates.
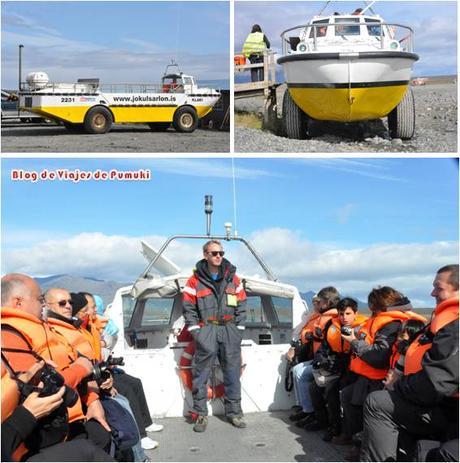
(348, 87)
(125, 108)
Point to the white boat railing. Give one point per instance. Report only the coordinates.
(384, 34)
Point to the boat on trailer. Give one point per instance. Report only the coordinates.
(156, 348)
(346, 68)
(93, 107)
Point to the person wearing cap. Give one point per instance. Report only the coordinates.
(214, 308)
(371, 351)
(424, 401)
(253, 48)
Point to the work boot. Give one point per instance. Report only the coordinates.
(315, 425)
(200, 424)
(237, 421)
(299, 415)
(330, 434)
(308, 419)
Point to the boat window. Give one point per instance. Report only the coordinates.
(254, 310)
(187, 80)
(375, 28)
(320, 30)
(157, 311)
(283, 308)
(128, 304)
(346, 30)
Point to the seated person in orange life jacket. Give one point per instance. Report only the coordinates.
(31, 338)
(424, 401)
(371, 352)
(311, 337)
(120, 382)
(330, 366)
(25, 415)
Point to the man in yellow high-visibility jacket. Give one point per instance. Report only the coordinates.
(254, 46)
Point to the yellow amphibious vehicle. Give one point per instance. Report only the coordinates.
(346, 68)
(87, 105)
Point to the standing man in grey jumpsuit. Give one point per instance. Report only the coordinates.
(214, 304)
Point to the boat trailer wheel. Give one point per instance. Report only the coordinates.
(185, 120)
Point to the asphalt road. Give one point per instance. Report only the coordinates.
(129, 138)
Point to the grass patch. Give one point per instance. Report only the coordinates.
(248, 120)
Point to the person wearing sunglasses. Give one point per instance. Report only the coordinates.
(214, 306)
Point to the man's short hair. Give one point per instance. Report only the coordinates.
(347, 302)
(205, 245)
(13, 285)
(330, 295)
(453, 274)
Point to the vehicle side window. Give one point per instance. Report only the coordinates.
(346, 30)
(254, 310)
(157, 312)
(373, 28)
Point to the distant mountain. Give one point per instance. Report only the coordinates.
(105, 289)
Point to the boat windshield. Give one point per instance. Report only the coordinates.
(373, 28)
(320, 30)
(346, 30)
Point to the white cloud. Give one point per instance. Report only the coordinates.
(409, 267)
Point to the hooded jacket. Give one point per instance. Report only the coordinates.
(207, 300)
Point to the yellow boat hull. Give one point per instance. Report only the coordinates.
(347, 105)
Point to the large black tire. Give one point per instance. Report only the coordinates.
(98, 120)
(74, 128)
(185, 120)
(159, 126)
(295, 120)
(401, 121)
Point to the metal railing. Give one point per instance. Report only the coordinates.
(386, 33)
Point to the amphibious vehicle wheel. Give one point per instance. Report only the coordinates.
(73, 127)
(295, 120)
(98, 120)
(185, 120)
(401, 121)
(159, 126)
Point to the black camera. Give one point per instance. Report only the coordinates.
(346, 330)
(101, 370)
(52, 382)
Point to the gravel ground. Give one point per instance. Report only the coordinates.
(436, 129)
(121, 139)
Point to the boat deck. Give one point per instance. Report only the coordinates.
(269, 436)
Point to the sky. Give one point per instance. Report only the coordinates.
(434, 24)
(351, 223)
(118, 42)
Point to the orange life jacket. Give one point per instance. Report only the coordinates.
(335, 340)
(44, 342)
(319, 325)
(10, 394)
(445, 313)
(368, 332)
(308, 329)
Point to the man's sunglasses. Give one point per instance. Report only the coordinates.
(216, 253)
(62, 303)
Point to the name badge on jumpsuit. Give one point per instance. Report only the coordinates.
(232, 301)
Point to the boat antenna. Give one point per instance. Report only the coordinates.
(324, 7)
(369, 7)
(234, 197)
(208, 212)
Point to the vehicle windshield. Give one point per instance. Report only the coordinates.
(373, 28)
(320, 30)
